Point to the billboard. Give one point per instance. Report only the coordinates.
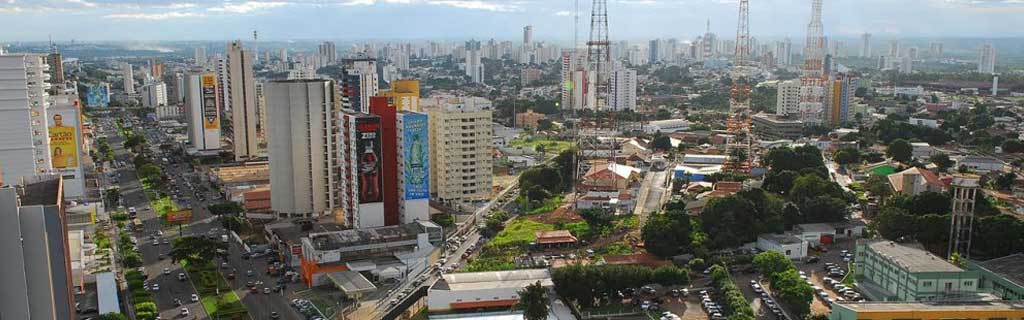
(211, 116)
(368, 156)
(179, 216)
(61, 125)
(98, 95)
(415, 156)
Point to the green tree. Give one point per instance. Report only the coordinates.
(225, 208)
(112, 196)
(661, 142)
(666, 235)
(112, 316)
(232, 223)
(779, 182)
(942, 161)
(195, 249)
(879, 186)
(670, 276)
(900, 150)
(793, 292)
(1005, 181)
(847, 156)
(534, 298)
(894, 223)
(824, 208)
(771, 262)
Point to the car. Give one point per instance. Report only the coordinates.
(184, 312)
(164, 241)
(812, 259)
(645, 305)
(758, 289)
(167, 271)
(274, 315)
(266, 290)
(155, 287)
(156, 242)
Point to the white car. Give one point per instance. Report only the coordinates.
(184, 312)
(195, 298)
(167, 271)
(155, 287)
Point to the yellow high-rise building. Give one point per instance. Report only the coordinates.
(404, 95)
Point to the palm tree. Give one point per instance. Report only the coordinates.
(534, 299)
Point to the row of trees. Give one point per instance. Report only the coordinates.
(589, 285)
(789, 288)
(730, 296)
(925, 218)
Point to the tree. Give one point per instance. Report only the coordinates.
(942, 161)
(112, 195)
(112, 316)
(666, 235)
(150, 171)
(900, 150)
(662, 142)
(793, 292)
(771, 262)
(824, 208)
(534, 298)
(779, 182)
(1013, 146)
(232, 223)
(225, 208)
(846, 156)
(544, 125)
(195, 249)
(894, 223)
(879, 186)
(1005, 181)
(739, 218)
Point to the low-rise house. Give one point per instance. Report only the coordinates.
(915, 181)
(787, 244)
(610, 177)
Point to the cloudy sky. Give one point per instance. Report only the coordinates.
(501, 19)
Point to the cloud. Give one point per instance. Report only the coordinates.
(479, 5)
(82, 3)
(564, 13)
(359, 2)
(155, 16)
(176, 6)
(246, 7)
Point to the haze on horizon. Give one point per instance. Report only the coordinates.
(96, 20)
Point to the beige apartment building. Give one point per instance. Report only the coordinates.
(460, 153)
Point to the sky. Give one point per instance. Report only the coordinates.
(147, 20)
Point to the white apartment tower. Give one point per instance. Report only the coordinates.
(474, 68)
(787, 101)
(328, 53)
(987, 59)
(202, 111)
(527, 36)
(24, 143)
(784, 52)
(906, 64)
(129, 78)
(359, 83)
(200, 56)
(302, 118)
(865, 45)
(242, 94)
(460, 149)
(154, 94)
(623, 89)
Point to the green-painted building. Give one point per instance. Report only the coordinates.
(888, 271)
(1002, 277)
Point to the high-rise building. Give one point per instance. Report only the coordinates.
(787, 101)
(784, 52)
(362, 196)
(328, 53)
(413, 166)
(474, 68)
(895, 49)
(575, 80)
(404, 95)
(460, 153)
(242, 91)
(841, 87)
(987, 59)
(200, 56)
(359, 82)
(654, 51)
(812, 80)
(912, 52)
(34, 242)
(527, 35)
(202, 111)
(387, 158)
(302, 132)
(935, 49)
(283, 55)
(865, 45)
(129, 78)
(623, 89)
(154, 94)
(220, 65)
(156, 68)
(906, 64)
(56, 63)
(25, 147)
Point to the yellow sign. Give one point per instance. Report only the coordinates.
(63, 144)
(211, 116)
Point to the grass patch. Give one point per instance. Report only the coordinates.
(551, 147)
(616, 248)
(208, 283)
(849, 280)
(549, 205)
(519, 231)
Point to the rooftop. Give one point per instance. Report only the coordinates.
(493, 280)
(969, 306)
(1010, 267)
(41, 191)
(555, 236)
(784, 238)
(912, 259)
(333, 240)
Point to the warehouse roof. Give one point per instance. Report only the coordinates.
(1010, 267)
(912, 259)
(493, 280)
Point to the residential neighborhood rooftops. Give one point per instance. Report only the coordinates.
(555, 236)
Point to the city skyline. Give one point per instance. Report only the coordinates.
(87, 20)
